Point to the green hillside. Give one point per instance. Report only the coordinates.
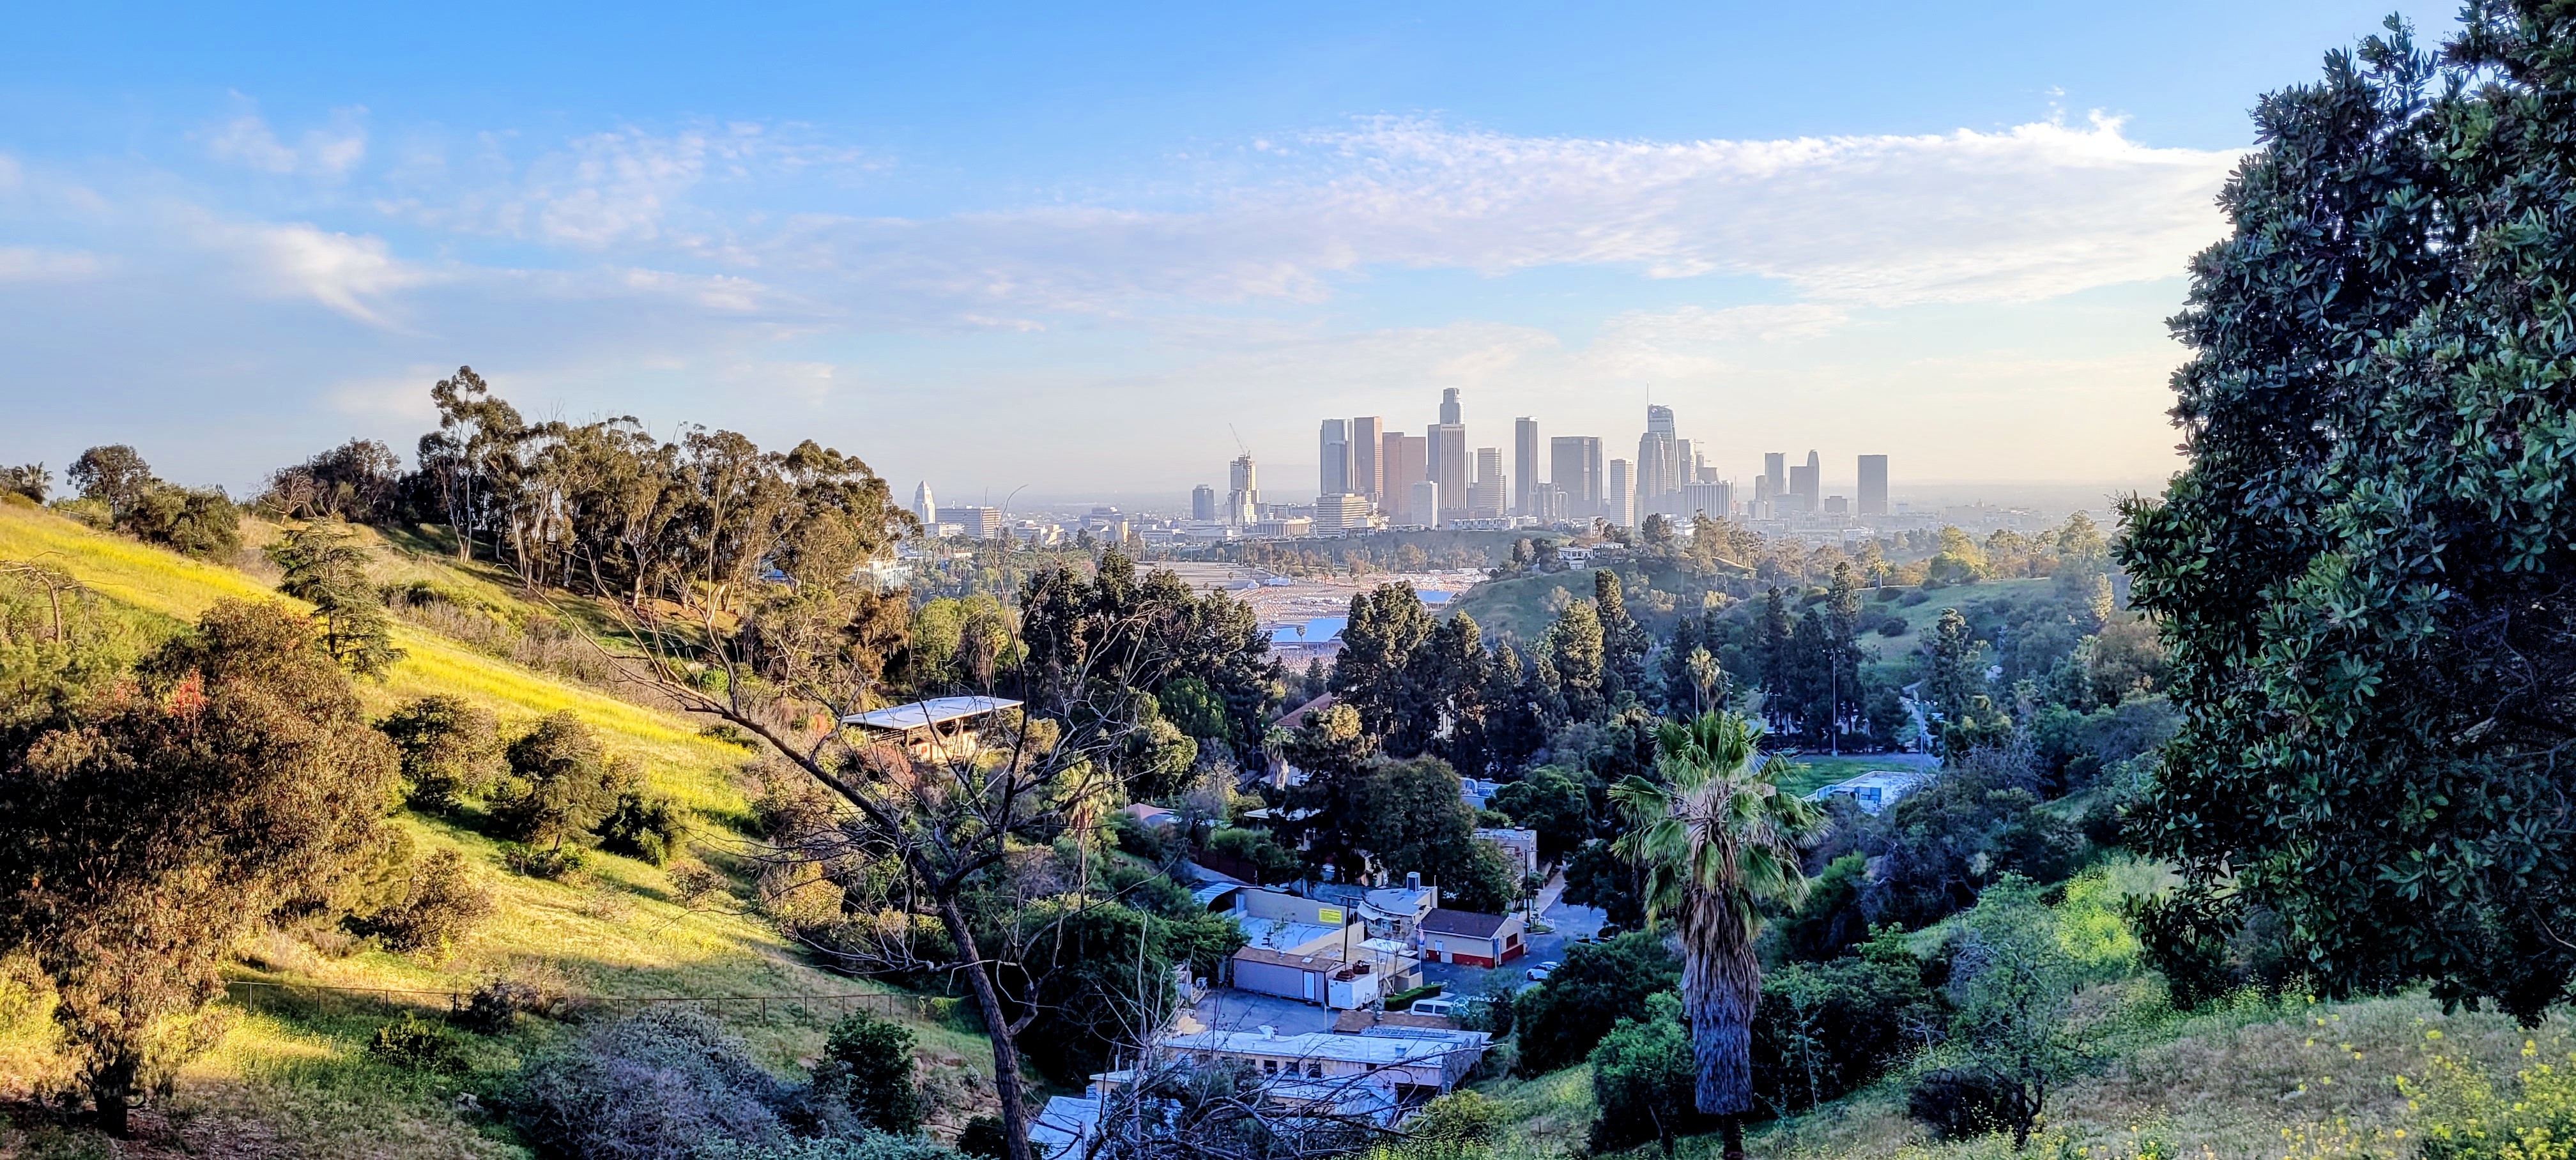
(292, 1067)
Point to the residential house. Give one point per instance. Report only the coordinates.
(1520, 846)
(1471, 939)
(936, 729)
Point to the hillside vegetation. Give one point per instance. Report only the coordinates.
(293, 1068)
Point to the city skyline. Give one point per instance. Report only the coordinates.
(946, 253)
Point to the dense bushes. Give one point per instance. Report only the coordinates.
(440, 906)
(451, 751)
(1642, 1077)
(656, 1086)
(1561, 1019)
(1824, 1029)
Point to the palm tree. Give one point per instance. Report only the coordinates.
(1716, 838)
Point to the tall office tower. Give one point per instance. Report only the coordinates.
(1873, 485)
(1449, 465)
(1492, 492)
(1761, 495)
(1574, 464)
(1405, 463)
(1203, 504)
(1815, 491)
(928, 509)
(1775, 467)
(1619, 496)
(1526, 487)
(1368, 434)
(1659, 459)
(1684, 474)
(1803, 490)
(1449, 407)
(1333, 445)
(1243, 504)
(1424, 505)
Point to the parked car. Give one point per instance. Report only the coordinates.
(1539, 973)
(1445, 1008)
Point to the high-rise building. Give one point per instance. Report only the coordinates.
(1491, 491)
(1525, 481)
(1805, 494)
(1619, 497)
(928, 509)
(1423, 503)
(1203, 504)
(1775, 467)
(1405, 460)
(1243, 503)
(1714, 500)
(1449, 464)
(982, 523)
(1873, 485)
(1815, 489)
(1368, 435)
(1449, 407)
(1333, 444)
(1659, 461)
(1574, 464)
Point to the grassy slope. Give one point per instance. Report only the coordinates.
(619, 934)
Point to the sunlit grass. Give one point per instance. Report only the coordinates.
(295, 1061)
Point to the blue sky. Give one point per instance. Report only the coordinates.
(1068, 246)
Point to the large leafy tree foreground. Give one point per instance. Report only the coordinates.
(2364, 573)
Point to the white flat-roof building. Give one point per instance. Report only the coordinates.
(1875, 790)
(940, 728)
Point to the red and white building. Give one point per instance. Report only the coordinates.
(1471, 939)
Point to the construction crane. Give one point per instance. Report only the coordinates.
(1239, 444)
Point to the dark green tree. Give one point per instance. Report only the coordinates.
(1560, 1020)
(562, 782)
(114, 475)
(1554, 804)
(326, 567)
(1574, 651)
(1624, 642)
(2361, 575)
(1386, 626)
(868, 1063)
(451, 750)
(1642, 1078)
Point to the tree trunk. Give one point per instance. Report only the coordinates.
(1006, 1051)
(112, 1089)
(1731, 1127)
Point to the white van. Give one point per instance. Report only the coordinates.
(1445, 1008)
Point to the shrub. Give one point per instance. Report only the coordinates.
(451, 750)
(1892, 626)
(415, 1044)
(497, 1005)
(982, 1137)
(551, 865)
(1642, 1079)
(695, 883)
(1824, 1029)
(661, 1085)
(1958, 1105)
(441, 908)
(561, 784)
(643, 826)
(866, 1075)
(196, 522)
(1464, 1116)
(865, 1146)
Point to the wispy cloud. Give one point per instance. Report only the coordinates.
(329, 151)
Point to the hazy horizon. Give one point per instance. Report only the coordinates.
(1081, 255)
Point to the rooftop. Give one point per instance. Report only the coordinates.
(1355, 1022)
(1373, 1050)
(923, 714)
(1465, 923)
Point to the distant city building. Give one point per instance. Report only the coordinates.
(1203, 504)
(1805, 494)
(1368, 439)
(1341, 513)
(1619, 499)
(1714, 500)
(1659, 460)
(1490, 496)
(1873, 485)
(1574, 467)
(1406, 461)
(1333, 445)
(982, 523)
(1291, 528)
(1815, 489)
(1449, 463)
(1837, 506)
(1525, 481)
(925, 507)
(1775, 470)
(1423, 506)
(1243, 503)
(1449, 415)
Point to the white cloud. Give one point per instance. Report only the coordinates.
(29, 264)
(349, 274)
(328, 152)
